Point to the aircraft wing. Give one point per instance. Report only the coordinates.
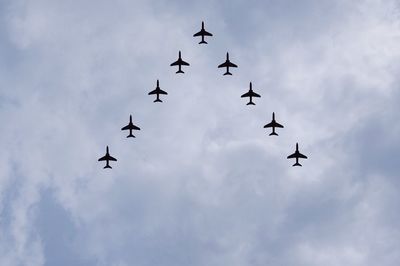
(269, 125)
(176, 63)
(255, 94)
(225, 64)
(126, 127)
(247, 94)
(273, 124)
(130, 126)
(153, 92)
(202, 33)
(157, 91)
(160, 91)
(110, 158)
(300, 155)
(232, 64)
(107, 157)
(135, 127)
(206, 33)
(197, 34)
(183, 63)
(103, 158)
(297, 154)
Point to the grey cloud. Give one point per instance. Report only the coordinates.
(202, 183)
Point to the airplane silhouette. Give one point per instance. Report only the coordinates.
(202, 33)
(297, 155)
(180, 63)
(273, 124)
(107, 158)
(227, 64)
(130, 127)
(157, 92)
(250, 94)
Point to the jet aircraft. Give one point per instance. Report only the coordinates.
(107, 158)
(273, 124)
(180, 63)
(202, 33)
(250, 94)
(130, 127)
(297, 155)
(227, 64)
(157, 92)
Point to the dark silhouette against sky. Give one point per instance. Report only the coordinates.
(273, 124)
(227, 64)
(250, 94)
(202, 33)
(130, 127)
(297, 155)
(107, 158)
(180, 63)
(157, 91)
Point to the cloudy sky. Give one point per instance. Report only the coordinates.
(203, 183)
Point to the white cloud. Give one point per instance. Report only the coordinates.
(202, 183)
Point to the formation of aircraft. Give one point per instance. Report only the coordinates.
(130, 127)
(107, 158)
(202, 33)
(180, 63)
(227, 64)
(297, 155)
(250, 94)
(157, 91)
(273, 124)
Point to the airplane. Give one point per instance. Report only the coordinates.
(297, 155)
(250, 94)
(227, 64)
(180, 63)
(130, 127)
(157, 92)
(107, 158)
(202, 33)
(273, 124)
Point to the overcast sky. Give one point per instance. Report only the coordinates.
(203, 183)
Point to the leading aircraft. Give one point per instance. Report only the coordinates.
(202, 33)
(227, 64)
(250, 94)
(273, 124)
(157, 92)
(107, 158)
(297, 155)
(130, 127)
(180, 63)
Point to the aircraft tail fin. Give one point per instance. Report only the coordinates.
(157, 101)
(273, 134)
(107, 166)
(297, 164)
(179, 71)
(250, 103)
(131, 136)
(228, 73)
(203, 42)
